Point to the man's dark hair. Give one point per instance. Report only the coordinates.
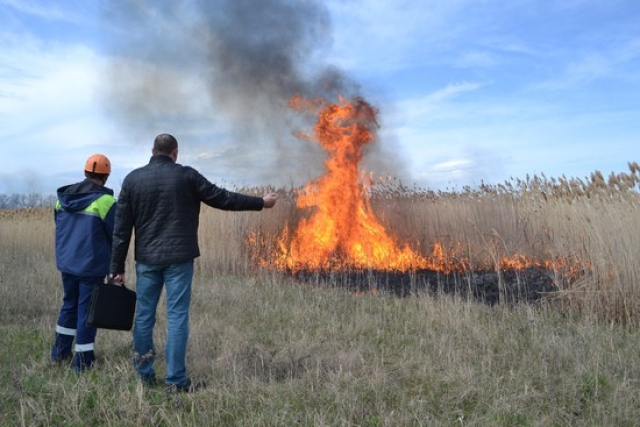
(99, 176)
(165, 144)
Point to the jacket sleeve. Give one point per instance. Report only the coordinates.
(122, 231)
(219, 198)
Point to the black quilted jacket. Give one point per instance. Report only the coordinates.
(161, 202)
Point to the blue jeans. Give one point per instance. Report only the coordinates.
(150, 279)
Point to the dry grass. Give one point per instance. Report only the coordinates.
(588, 222)
(275, 352)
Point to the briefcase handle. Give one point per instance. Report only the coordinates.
(110, 280)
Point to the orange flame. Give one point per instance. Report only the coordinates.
(343, 231)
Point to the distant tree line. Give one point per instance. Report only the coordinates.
(25, 200)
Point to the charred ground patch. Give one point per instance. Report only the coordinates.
(529, 285)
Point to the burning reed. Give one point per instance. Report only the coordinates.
(512, 227)
(573, 231)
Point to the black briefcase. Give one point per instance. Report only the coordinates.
(112, 307)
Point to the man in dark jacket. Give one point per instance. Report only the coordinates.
(161, 201)
(84, 216)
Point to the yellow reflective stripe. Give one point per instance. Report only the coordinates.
(105, 202)
(100, 206)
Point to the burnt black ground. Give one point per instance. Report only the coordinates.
(529, 285)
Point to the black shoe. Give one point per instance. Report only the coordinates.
(83, 361)
(188, 387)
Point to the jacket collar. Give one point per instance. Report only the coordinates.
(160, 158)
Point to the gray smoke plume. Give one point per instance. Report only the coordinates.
(219, 75)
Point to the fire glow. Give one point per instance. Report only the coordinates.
(342, 232)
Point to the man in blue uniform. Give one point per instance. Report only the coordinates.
(84, 217)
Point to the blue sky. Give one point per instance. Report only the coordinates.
(467, 90)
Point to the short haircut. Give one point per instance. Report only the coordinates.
(165, 144)
(93, 175)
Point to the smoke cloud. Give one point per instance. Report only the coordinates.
(219, 76)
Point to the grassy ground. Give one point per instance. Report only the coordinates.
(275, 353)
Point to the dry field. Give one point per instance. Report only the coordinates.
(275, 351)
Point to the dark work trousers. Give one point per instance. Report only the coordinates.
(72, 319)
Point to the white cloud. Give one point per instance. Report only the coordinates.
(50, 119)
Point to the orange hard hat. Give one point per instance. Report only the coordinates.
(98, 163)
